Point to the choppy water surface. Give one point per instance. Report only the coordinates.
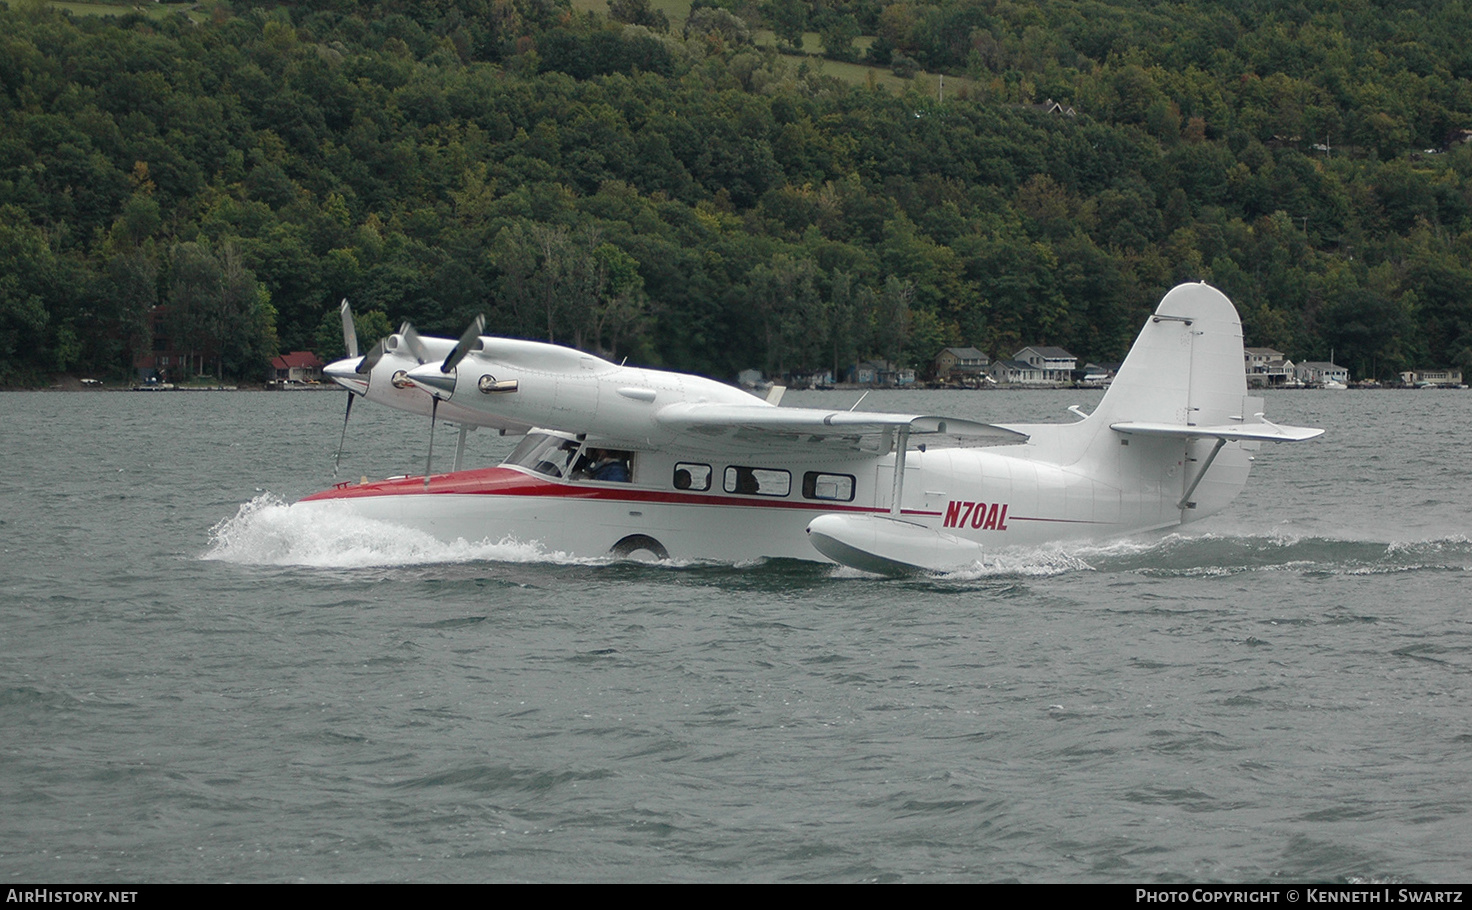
(196, 686)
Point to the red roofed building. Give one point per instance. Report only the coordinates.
(298, 366)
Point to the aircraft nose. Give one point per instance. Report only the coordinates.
(428, 377)
(345, 373)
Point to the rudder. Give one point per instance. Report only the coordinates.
(1186, 366)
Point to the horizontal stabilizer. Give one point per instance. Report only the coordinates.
(1258, 432)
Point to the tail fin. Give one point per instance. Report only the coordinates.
(1185, 371)
(1186, 367)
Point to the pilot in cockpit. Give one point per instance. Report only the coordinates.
(609, 466)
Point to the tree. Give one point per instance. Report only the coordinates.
(723, 27)
(126, 292)
(789, 21)
(639, 12)
(783, 294)
(837, 34)
(892, 318)
(622, 305)
(28, 273)
(219, 312)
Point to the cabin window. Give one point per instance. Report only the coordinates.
(831, 487)
(545, 454)
(690, 476)
(757, 481)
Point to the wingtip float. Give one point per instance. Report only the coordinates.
(622, 460)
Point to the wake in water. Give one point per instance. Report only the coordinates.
(1182, 555)
(1206, 554)
(268, 531)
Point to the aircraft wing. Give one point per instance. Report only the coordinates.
(1253, 432)
(758, 427)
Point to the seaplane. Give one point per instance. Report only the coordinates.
(627, 462)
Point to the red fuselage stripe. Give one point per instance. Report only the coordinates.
(505, 482)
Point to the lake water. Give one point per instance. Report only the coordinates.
(198, 687)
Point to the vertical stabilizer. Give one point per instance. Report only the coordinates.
(1186, 367)
(1185, 370)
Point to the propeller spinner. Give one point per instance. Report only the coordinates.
(439, 380)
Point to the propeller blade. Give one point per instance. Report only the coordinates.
(413, 342)
(349, 331)
(336, 459)
(463, 346)
(434, 413)
(365, 366)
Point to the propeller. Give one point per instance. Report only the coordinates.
(364, 367)
(463, 346)
(413, 342)
(439, 381)
(446, 382)
(349, 331)
(337, 458)
(375, 354)
(350, 342)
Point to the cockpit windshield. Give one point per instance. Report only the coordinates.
(546, 453)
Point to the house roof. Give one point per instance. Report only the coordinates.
(966, 353)
(297, 360)
(1048, 352)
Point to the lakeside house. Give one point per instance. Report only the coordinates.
(1095, 375)
(1015, 372)
(1258, 358)
(1319, 372)
(960, 364)
(298, 366)
(1267, 367)
(1056, 364)
(1432, 378)
(879, 373)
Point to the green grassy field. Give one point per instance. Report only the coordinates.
(677, 11)
(853, 73)
(151, 10)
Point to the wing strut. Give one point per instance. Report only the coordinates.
(1186, 502)
(460, 448)
(337, 459)
(902, 445)
(434, 413)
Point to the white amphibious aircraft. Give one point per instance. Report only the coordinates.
(626, 461)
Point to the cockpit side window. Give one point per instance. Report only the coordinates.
(608, 465)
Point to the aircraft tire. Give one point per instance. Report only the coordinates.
(634, 545)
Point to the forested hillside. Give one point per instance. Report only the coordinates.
(677, 194)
